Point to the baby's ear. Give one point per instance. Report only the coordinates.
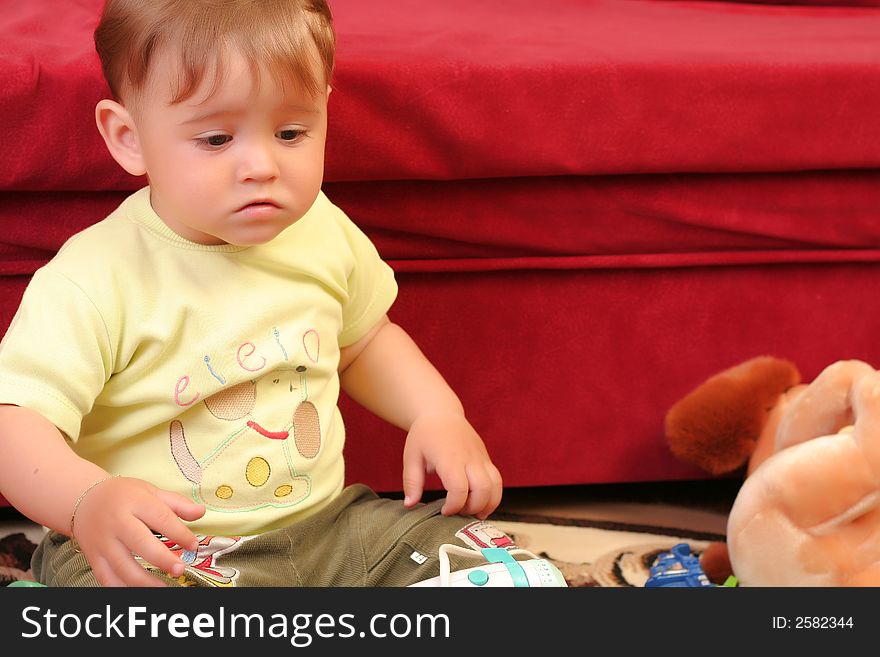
(118, 129)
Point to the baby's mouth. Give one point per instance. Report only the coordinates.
(259, 204)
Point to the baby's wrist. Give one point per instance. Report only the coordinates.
(82, 496)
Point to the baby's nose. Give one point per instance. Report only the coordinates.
(258, 164)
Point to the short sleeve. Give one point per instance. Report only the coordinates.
(55, 357)
(371, 286)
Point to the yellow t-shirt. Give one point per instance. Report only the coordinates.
(206, 370)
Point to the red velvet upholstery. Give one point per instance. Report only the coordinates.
(591, 206)
(460, 89)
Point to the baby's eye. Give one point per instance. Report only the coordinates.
(290, 134)
(215, 141)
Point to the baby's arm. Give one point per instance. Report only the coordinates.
(387, 373)
(43, 478)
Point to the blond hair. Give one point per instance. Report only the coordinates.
(280, 36)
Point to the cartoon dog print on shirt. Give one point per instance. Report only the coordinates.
(201, 564)
(253, 467)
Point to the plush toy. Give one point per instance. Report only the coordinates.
(808, 511)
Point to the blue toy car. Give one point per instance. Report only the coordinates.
(678, 567)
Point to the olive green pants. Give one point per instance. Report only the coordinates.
(359, 539)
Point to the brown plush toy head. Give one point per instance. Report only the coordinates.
(717, 426)
(808, 510)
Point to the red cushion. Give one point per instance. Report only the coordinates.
(462, 89)
(567, 374)
(818, 3)
(547, 223)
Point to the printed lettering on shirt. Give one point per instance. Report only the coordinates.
(261, 428)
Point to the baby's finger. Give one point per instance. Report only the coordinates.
(129, 571)
(497, 491)
(413, 478)
(154, 551)
(456, 484)
(161, 519)
(480, 490)
(182, 506)
(104, 573)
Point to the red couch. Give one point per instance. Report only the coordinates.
(591, 205)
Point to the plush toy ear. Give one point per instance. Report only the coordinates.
(717, 425)
(715, 562)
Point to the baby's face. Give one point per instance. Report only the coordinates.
(236, 166)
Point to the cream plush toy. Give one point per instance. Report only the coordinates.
(808, 512)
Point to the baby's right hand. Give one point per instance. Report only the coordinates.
(118, 517)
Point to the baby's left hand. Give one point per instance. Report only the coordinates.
(448, 445)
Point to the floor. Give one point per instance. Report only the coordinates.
(11, 522)
(699, 506)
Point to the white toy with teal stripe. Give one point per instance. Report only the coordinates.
(499, 569)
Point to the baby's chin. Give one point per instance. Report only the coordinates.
(254, 236)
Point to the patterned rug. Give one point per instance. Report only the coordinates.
(595, 553)
(588, 553)
(15, 558)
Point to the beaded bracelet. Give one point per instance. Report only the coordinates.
(82, 497)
